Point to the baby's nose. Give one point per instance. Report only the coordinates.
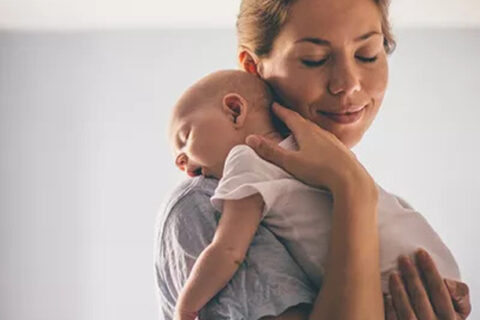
(181, 161)
(190, 167)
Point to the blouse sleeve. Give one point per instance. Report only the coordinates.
(245, 174)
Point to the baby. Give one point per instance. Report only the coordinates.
(208, 128)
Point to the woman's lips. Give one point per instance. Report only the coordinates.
(343, 118)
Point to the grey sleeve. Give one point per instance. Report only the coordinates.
(267, 283)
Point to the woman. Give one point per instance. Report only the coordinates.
(323, 58)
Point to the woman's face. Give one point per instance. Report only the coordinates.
(328, 63)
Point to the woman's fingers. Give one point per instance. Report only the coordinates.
(268, 150)
(416, 291)
(460, 295)
(294, 121)
(439, 295)
(400, 298)
(428, 299)
(390, 313)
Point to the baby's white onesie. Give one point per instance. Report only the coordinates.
(300, 216)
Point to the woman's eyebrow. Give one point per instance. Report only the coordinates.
(367, 35)
(323, 42)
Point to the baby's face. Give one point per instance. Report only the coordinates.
(202, 139)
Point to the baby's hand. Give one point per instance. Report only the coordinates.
(181, 315)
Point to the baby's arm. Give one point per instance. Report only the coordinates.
(217, 264)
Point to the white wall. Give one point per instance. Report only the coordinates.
(100, 14)
(84, 162)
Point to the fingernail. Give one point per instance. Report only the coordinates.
(253, 141)
(403, 258)
(421, 252)
(404, 263)
(394, 278)
(451, 285)
(422, 255)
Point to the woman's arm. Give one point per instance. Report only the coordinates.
(351, 287)
(412, 300)
(217, 264)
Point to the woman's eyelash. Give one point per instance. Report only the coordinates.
(313, 63)
(318, 63)
(367, 59)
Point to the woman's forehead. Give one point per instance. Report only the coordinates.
(335, 21)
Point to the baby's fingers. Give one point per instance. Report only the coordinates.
(269, 150)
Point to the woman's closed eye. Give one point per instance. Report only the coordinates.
(313, 63)
(318, 63)
(367, 59)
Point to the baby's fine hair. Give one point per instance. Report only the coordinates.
(251, 87)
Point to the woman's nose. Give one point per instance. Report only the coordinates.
(344, 78)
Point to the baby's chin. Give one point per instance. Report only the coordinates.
(212, 177)
(211, 174)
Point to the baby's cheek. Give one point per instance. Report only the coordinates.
(198, 149)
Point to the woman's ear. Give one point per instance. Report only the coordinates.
(249, 62)
(235, 106)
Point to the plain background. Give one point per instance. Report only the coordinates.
(85, 165)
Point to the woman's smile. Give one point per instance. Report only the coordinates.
(347, 117)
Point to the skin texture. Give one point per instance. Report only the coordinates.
(418, 292)
(313, 76)
(449, 301)
(351, 286)
(214, 115)
(348, 73)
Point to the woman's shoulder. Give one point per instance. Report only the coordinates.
(189, 190)
(189, 194)
(187, 207)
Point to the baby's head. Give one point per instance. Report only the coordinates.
(214, 115)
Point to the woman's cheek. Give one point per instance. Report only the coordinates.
(299, 88)
(378, 79)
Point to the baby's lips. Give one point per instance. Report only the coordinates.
(195, 172)
(191, 174)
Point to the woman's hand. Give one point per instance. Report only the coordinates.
(321, 161)
(437, 299)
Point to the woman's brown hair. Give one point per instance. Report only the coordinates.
(260, 21)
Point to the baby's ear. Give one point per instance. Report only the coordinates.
(235, 106)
